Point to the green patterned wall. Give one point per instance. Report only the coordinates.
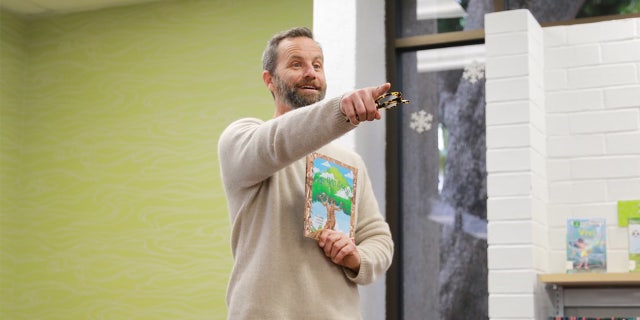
(12, 72)
(112, 206)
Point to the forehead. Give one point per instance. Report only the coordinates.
(299, 47)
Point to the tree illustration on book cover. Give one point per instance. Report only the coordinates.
(330, 201)
(586, 245)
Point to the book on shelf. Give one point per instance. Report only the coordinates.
(330, 196)
(586, 245)
(634, 244)
(629, 216)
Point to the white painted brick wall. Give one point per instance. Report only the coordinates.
(351, 33)
(623, 189)
(603, 122)
(575, 100)
(512, 281)
(563, 141)
(602, 76)
(511, 306)
(622, 97)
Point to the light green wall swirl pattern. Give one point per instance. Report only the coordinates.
(12, 77)
(112, 206)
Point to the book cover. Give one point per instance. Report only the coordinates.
(634, 244)
(586, 245)
(628, 209)
(330, 201)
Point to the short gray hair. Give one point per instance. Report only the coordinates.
(270, 54)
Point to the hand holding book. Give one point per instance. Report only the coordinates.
(340, 249)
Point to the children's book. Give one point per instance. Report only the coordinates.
(586, 245)
(634, 244)
(330, 196)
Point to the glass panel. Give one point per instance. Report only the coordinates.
(554, 11)
(444, 184)
(441, 137)
(423, 17)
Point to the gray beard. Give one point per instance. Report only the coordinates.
(291, 97)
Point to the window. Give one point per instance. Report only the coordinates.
(436, 177)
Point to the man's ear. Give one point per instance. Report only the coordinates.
(268, 80)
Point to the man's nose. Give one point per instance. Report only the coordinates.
(310, 72)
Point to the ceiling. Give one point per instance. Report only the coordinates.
(53, 7)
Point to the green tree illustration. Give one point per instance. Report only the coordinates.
(326, 189)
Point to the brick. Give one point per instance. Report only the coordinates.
(577, 192)
(617, 238)
(539, 211)
(558, 170)
(507, 136)
(557, 125)
(576, 146)
(607, 210)
(558, 215)
(555, 36)
(540, 239)
(510, 232)
(621, 51)
(514, 20)
(514, 208)
(624, 189)
(507, 66)
(511, 306)
(617, 261)
(605, 168)
(508, 184)
(537, 141)
(558, 261)
(536, 90)
(510, 112)
(575, 100)
(538, 164)
(507, 44)
(623, 143)
(539, 189)
(608, 121)
(538, 117)
(508, 160)
(622, 97)
(558, 237)
(507, 89)
(602, 76)
(601, 31)
(510, 257)
(572, 56)
(555, 79)
(519, 281)
(541, 258)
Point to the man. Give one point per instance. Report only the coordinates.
(278, 273)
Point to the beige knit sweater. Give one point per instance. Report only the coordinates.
(278, 273)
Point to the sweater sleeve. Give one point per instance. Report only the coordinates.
(373, 237)
(251, 150)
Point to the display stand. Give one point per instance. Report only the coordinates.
(594, 294)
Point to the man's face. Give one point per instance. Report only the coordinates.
(299, 77)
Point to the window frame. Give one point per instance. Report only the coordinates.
(394, 47)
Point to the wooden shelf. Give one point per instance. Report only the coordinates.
(591, 279)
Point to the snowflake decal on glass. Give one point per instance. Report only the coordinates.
(421, 121)
(473, 72)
